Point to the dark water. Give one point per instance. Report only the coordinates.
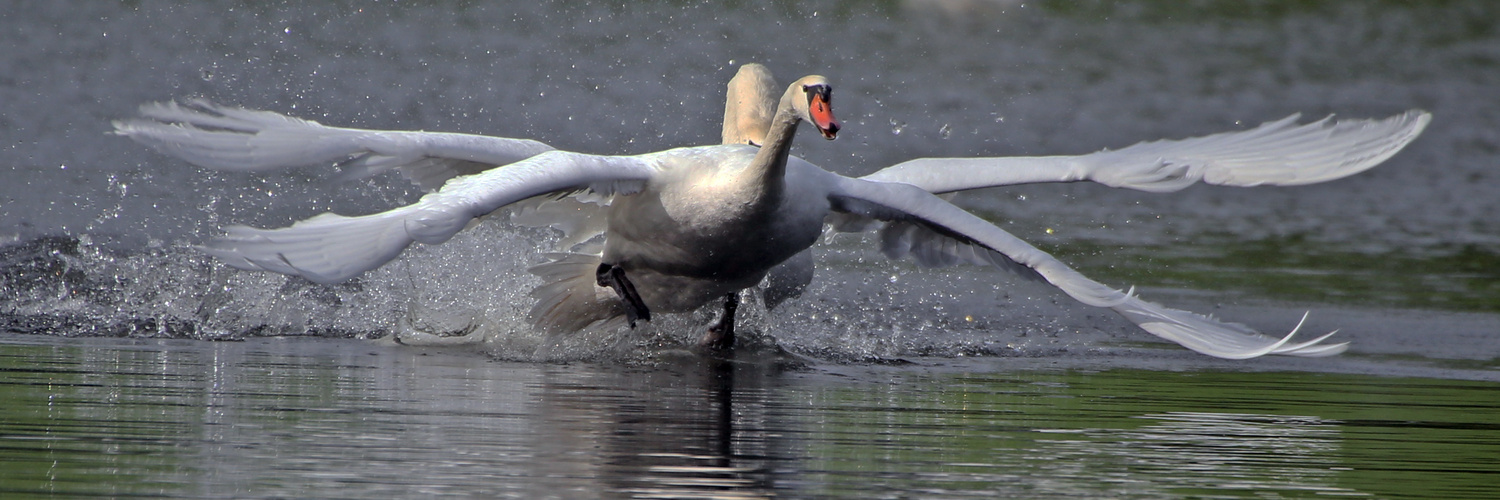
(900, 382)
(306, 418)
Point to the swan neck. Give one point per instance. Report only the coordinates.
(770, 161)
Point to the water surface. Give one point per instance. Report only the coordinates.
(308, 418)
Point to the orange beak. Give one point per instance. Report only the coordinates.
(822, 116)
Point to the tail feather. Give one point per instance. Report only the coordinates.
(571, 299)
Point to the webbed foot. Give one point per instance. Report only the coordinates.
(612, 276)
(720, 337)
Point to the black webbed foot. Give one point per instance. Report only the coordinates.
(612, 276)
(720, 337)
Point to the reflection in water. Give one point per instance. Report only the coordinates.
(1215, 451)
(1021, 437)
(271, 418)
(1239, 451)
(287, 418)
(695, 429)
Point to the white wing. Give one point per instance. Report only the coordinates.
(331, 248)
(949, 229)
(1278, 153)
(225, 138)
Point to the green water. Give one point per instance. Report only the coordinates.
(341, 418)
(1131, 433)
(1295, 269)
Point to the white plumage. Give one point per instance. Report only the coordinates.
(665, 203)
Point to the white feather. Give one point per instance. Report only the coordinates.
(330, 248)
(236, 139)
(903, 202)
(1276, 153)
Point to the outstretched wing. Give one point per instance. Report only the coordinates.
(1277, 153)
(904, 205)
(331, 248)
(226, 138)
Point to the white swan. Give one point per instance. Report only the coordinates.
(749, 104)
(331, 248)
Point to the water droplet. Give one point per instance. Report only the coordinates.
(945, 131)
(897, 126)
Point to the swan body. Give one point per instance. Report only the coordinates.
(714, 215)
(691, 224)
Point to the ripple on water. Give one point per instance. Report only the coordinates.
(268, 418)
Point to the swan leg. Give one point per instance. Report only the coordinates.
(720, 337)
(612, 276)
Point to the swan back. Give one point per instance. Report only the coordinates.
(749, 105)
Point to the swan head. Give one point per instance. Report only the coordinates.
(812, 99)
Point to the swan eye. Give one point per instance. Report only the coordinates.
(818, 90)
